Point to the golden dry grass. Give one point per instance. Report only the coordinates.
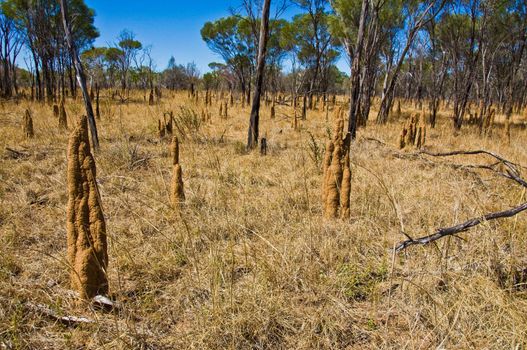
(249, 263)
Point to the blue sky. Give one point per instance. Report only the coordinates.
(172, 27)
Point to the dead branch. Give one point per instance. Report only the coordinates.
(474, 152)
(16, 154)
(511, 173)
(66, 320)
(449, 231)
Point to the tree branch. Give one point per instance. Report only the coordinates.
(449, 231)
(511, 173)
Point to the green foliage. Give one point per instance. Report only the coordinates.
(40, 20)
(344, 22)
(187, 122)
(316, 152)
(359, 282)
(211, 80)
(130, 44)
(234, 39)
(229, 37)
(113, 54)
(308, 43)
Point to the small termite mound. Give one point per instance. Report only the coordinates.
(336, 185)
(413, 133)
(151, 98)
(168, 117)
(56, 111)
(27, 127)
(63, 117)
(488, 121)
(225, 110)
(263, 146)
(177, 193)
(398, 110)
(161, 129)
(294, 121)
(86, 227)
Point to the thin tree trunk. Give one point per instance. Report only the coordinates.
(252, 139)
(355, 73)
(80, 75)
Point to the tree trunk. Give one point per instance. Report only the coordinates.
(252, 139)
(80, 75)
(355, 73)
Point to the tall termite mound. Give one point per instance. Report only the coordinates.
(336, 186)
(413, 132)
(27, 127)
(63, 117)
(86, 228)
(177, 194)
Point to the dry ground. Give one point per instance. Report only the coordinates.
(249, 263)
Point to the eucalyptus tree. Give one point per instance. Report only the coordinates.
(231, 38)
(310, 39)
(40, 25)
(416, 14)
(366, 30)
(129, 49)
(94, 61)
(503, 41)
(437, 59)
(460, 34)
(10, 47)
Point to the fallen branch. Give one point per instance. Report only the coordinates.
(474, 152)
(66, 320)
(511, 173)
(449, 231)
(16, 154)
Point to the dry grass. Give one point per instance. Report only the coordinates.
(249, 262)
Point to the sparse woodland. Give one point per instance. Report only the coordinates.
(273, 202)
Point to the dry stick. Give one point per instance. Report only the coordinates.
(66, 320)
(17, 154)
(449, 231)
(457, 153)
(511, 173)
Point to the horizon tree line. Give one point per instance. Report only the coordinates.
(469, 53)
